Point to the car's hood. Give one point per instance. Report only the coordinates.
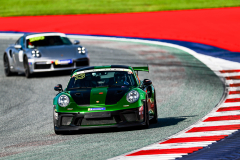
(98, 96)
(58, 52)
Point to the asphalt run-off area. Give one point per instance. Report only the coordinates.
(197, 94)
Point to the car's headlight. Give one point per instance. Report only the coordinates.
(132, 96)
(36, 53)
(63, 100)
(81, 50)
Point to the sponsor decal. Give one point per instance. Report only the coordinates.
(97, 109)
(80, 76)
(105, 69)
(36, 38)
(67, 61)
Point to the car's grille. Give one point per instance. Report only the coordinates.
(63, 66)
(82, 62)
(66, 121)
(97, 121)
(130, 117)
(42, 66)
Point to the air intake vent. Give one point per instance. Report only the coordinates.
(130, 117)
(98, 121)
(66, 121)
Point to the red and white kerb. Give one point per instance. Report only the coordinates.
(218, 124)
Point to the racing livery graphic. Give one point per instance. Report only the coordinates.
(104, 96)
(41, 52)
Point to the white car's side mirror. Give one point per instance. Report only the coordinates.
(18, 46)
(76, 42)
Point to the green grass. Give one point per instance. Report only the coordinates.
(62, 7)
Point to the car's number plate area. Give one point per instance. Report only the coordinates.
(63, 62)
(97, 115)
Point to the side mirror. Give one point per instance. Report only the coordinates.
(18, 46)
(75, 42)
(147, 82)
(58, 88)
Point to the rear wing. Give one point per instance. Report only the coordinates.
(144, 69)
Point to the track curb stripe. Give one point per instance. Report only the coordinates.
(222, 118)
(233, 108)
(194, 139)
(165, 151)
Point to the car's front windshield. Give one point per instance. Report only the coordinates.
(102, 78)
(42, 41)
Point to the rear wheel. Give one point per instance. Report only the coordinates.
(26, 68)
(146, 115)
(155, 118)
(6, 66)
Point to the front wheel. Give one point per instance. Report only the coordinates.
(26, 68)
(6, 66)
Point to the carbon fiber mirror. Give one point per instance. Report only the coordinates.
(147, 82)
(58, 88)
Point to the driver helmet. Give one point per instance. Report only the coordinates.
(120, 77)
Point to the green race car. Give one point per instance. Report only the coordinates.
(104, 96)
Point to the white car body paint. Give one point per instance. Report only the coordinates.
(20, 56)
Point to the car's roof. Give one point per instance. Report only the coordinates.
(102, 67)
(30, 35)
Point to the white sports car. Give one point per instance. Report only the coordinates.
(41, 52)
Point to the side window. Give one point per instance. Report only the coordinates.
(18, 41)
(22, 42)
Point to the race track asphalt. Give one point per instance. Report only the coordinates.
(186, 91)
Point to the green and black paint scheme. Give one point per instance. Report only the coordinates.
(105, 105)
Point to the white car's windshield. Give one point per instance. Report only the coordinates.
(102, 79)
(47, 41)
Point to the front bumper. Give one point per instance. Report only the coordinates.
(49, 65)
(118, 119)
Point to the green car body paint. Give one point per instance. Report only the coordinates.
(105, 96)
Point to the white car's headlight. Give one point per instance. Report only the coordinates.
(63, 100)
(132, 96)
(81, 50)
(36, 53)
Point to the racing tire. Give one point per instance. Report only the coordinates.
(155, 118)
(147, 122)
(6, 66)
(26, 68)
